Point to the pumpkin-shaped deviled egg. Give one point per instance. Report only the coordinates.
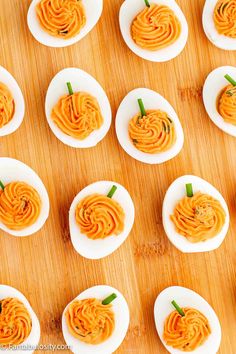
(60, 23)
(219, 23)
(185, 322)
(96, 321)
(148, 128)
(195, 215)
(19, 325)
(101, 217)
(24, 202)
(77, 109)
(219, 97)
(154, 30)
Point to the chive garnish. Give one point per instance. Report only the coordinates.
(69, 88)
(109, 299)
(141, 106)
(147, 3)
(189, 190)
(176, 306)
(112, 191)
(230, 79)
(2, 185)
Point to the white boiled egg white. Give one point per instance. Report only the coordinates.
(187, 298)
(174, 194)
(129, 108)
(130, 9)
(12, 170)
(93, 10)
(7, 79)
(80, 81)
(219, 40)
(33, 340)
(214, 84)
(122, 317)
(96, 249)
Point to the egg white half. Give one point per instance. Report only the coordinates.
(34, 337)
(12, 170)
(214, 84)
(122, 318)
(174, 194)
(93, 11)
(129, 108)
(219, 40)
(129, 10)
(187, 298)
(96, 249)
(80, 81)
(7, 79)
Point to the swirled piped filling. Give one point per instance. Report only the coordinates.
(152, 133)
(7, 105)
(15, 322)
(20, 205)
(77, 115)
(198, 218)
(155, 27)
(61, 18)
(186, 332)
(99, 216)
(90, 321)
(226, 104)
(225, 17)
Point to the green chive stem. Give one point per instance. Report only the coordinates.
(69, 88)
(230, 79)
(2, 185)
(109, 299)
(141, 106)
(176, 306)
(147, 3)
(189, 190)
(112, 191)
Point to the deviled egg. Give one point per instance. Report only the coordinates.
(195, 215)
(154, 30)
(111, 305)
(208, 325)
(77, 108)
(220, 105)
(23, 199)
(101, 217)
(16, 309)
(219, 23)
(60, 24)
(154, 136)
(12, 105)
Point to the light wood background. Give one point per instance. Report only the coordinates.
(45, 267)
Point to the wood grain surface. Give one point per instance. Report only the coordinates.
(45, 267)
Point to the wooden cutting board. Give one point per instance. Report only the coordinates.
(45, 267)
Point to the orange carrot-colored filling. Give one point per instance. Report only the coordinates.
(152, 133)
(61, 18)
(15, 322)
(188, 332)
(198, 218)
(155, 27)
(77, 115)
(226, 104)
(7, 105)
(20, 205)
(99, 216)
(90, 321)
(225, 17)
